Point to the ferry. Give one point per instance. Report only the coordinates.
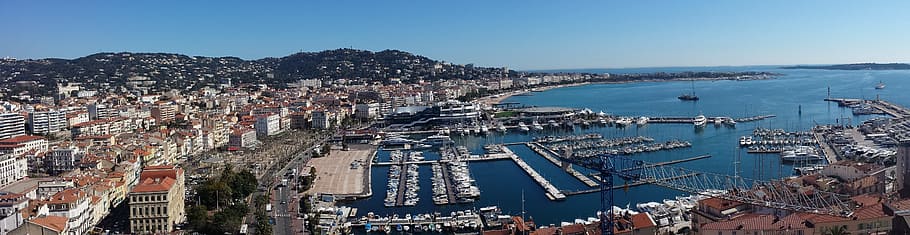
(523, 127)
(437, 140)
(700, 121)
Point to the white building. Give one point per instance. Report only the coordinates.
(11, 125)
(242, 138)
(23, 144)
(10, 205)
(322, 119)
(101, 111)
(268, 125)
(73, 204)
(366, 111)
(46, 122)
(12, 168)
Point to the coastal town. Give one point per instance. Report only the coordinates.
(124, 143)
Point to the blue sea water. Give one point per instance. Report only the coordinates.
(795, 97)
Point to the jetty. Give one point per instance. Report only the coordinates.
(474, 158)
(546, 153)
(552, 192)
(633, 184)
(689, 120)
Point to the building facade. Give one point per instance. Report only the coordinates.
(11, 125)
(156, 203)
(46, 122)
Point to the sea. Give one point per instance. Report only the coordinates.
(795, 97)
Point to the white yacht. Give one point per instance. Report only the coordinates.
(437, 140)
(623, 121)
(536, 125)
(523, 127)
(502, 127)
(641, 121)
(700, 121)
(801, 153)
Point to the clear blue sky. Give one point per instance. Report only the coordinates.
(517, 34)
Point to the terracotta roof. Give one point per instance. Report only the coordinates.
(759, 222)
(573, 229)
(154, 185)
(55, 223)
(545, 231)
(20, 139)
(67, 196)
(719, 204)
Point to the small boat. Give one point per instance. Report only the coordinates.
(523, 127)
(700, 121)
(880, 85)
(730, 122)
(536, 125)
(623, 121)
(642, 121)
(553, 123)
(501, 127)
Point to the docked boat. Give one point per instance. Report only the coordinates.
(523, 127)
(602, 121)
(553, 123)
(700, 121)
(623, 121)
(501, 127)
(730, 122)
(437, 140)
(395, 141)
(800, 153)
(641, 121)
(536, 125)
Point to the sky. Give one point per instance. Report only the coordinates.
(525, 35)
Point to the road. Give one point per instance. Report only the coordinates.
(285, 199)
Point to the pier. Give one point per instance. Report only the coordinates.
(690, 120)
(578, 175)
(830, 154)
(754, 118)
(552, 192)
(399, 199)
(488, 157)
(634, 184)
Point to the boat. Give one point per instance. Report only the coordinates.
(484, 129)
(718, 121)
(880, 85)
(800, 153)
(602, 121)
(396, 141)
(501, 127)
(523, 127)
(730, 122)
(623, 121)
(689, 96)
(437, 140)
(536, 125)
(700, 121)
(641, 121)
(553, 123)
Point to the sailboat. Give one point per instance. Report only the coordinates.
(691, 96)
(881, 85)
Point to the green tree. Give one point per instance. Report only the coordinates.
(197, 217)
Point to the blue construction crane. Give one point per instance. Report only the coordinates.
(769, 194)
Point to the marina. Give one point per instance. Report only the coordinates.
(551, 191)
(544, 152)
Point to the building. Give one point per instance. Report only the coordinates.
(366, 111)
(63, 159)
(12, 168)
(323, 119)
(11, 125)
(46, 122)
(10, 205)
(164, 113)
(241, 138)
(74, 205)
(268, 125)
(903, 168)
(77, 117)
(156, 203)
(98, 111)
(45, 225)
(23, 144)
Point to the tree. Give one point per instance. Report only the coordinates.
(839, 230)
(197, 217)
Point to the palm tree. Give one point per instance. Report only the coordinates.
(839, 230)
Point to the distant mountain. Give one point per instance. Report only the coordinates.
(861, 66)
(155, 72)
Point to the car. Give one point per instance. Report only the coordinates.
(284, 202)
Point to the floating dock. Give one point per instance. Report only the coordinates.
(552, 192)
(544, 152)
(488, 157)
